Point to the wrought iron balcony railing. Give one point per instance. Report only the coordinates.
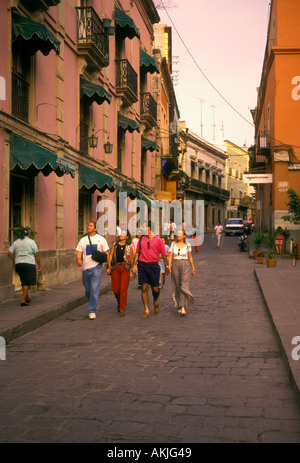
(126, 81)
(20, 98)
(92, 40)
(210, 189)
(148, 108)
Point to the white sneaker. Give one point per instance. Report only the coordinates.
(92, 316)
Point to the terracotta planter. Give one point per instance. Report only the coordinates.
(260, 260)
(271, 262)
(255, 252)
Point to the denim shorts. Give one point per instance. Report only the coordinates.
(148, 274)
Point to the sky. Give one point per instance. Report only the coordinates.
(219, 44)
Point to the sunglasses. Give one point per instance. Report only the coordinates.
(148, 244)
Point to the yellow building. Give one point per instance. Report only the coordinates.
(236, 164)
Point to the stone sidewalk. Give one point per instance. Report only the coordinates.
(279, 287)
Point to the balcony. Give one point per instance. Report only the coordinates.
(211, 190)
(148, 110)
(92, 41)
(20, 98)
(126, 82)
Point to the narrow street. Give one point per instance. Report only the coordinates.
(213, 376)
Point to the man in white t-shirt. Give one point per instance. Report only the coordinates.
(218, 232)
(91, 270)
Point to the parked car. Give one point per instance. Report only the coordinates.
(234, 226)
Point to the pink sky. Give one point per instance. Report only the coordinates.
(227, 40)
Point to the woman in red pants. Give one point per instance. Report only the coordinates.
(120, 265)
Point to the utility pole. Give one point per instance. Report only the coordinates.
(201, 125)
(214, 126)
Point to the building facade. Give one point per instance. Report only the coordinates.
(237, 163)
(76, 121)
(275, 158)
(203, 171)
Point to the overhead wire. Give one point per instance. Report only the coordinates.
(213, 86)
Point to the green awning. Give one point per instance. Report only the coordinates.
(149, 144)
(93, 92)
(131, 192)
(125, 24)
(93, 180)
(127, 124)
(134, 193)
(151, 202)
(148, 63)
(30, 36)
(26, 156)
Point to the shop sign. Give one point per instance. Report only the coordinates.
(258, 178)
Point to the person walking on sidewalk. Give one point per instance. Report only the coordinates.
(149, 249)
(91, 270)
(218, 230)
(120, 265)
(24, 254)
(181, 265)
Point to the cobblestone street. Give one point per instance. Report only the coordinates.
(216, 375)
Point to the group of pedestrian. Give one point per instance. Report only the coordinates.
(148, 256)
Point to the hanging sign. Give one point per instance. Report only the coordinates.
(258, 178)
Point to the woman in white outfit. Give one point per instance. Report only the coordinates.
(182, 267)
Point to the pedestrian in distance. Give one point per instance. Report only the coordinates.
(24, 254)
(173, 228)
(181, 266)
(218, 230)
(149, 249)
(279, 240)
(91, 270)
(162, 277)
(120, 264)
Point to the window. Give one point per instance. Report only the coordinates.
(121, 149)
(21, 204)
(84, 212)
(20, 86)
(143, 165)
(84, 126)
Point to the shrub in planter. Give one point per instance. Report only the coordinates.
(260, 257)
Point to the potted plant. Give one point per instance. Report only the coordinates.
(258, 238)
(260, 257)
(294, 212)
(271, 252)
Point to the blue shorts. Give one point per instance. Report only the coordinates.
(148, 274)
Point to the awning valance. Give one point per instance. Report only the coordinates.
(93, 180)
(149, 144)
(148, 63)
(125, 24)
(93, 92)
(127, 124)
(30, 36)
(26, 156)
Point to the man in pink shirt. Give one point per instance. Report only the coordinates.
(149, 249)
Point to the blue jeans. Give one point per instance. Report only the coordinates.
(91, 279)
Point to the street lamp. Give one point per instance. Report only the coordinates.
(93, 141)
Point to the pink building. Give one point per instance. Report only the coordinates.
(72, 73)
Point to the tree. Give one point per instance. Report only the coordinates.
(294, 208)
